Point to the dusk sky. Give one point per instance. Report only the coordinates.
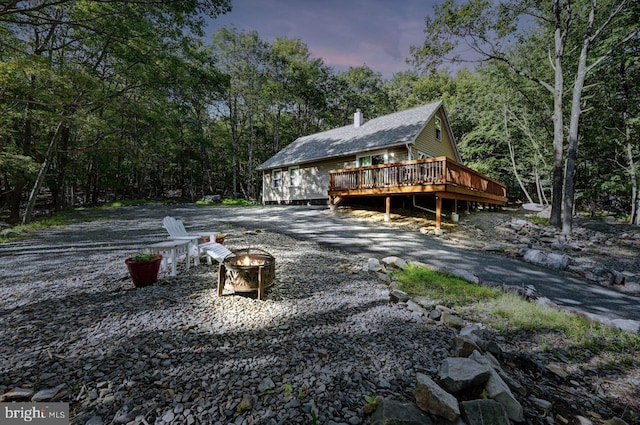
(377, 33)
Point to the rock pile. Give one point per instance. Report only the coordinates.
(470, 387)
(548, 247)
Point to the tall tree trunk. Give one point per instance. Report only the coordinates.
(26, 219)
(276, 132)
(629, 148)
(58, 191)
(512, 155)
(542, 198)
(250, 185)
(558, 126)
(633, 176)
(576, 112)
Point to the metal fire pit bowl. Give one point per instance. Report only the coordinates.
(247, 270)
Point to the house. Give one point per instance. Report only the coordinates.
(407, 153)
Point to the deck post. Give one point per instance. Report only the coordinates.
(454, 214)
(387, 208)
(438, 215)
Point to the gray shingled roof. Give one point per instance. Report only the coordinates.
(390, 130)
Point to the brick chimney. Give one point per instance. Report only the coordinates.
(357, 119)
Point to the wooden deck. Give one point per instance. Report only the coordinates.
(441, 177)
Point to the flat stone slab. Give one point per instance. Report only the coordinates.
(460, 373)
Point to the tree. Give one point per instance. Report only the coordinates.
(358, 88)
(491, 31)
(71, 63)
(242, 57)
(610, 136)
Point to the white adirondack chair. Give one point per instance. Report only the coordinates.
(213, 250)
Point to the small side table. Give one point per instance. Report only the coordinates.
(171, 250)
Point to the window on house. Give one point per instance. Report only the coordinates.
(294, 176)
(276, 179)
(438, 126)
(376, 159)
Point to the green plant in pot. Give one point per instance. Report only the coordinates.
(220, 237)
(143, 268)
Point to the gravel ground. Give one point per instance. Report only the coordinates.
(324, 338)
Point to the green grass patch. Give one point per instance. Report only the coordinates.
(19, 232)
(539, 220)
(238, 203)
(513, 314)
(442, 287)
(554, 331)
(228, 203)
(124, 203)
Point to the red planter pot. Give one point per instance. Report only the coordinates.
(144, 273)
(219, 239)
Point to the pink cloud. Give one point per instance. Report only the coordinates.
(378, 33)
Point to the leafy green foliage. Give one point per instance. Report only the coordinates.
(143, 257)
(147, 111)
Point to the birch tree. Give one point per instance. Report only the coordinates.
(495, 31)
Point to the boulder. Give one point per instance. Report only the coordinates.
(435, 314)
(391, 412)
(374, 265)
(397, 296)
(460, 373)
(499, 391)
(17, 394)
(416, 308)
(466, 275)
(615, 421)
(532, 207)
(384, 277)
(431, 398)
(627, 325)
(47, 394)
(545, 213)
(490, 346)
(395, 262)
(484, 412)
(551, 260)
(451, 320)
(463, 346)
(474, 331)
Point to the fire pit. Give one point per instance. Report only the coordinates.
(247, 270)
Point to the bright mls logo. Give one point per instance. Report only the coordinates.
(34, 413)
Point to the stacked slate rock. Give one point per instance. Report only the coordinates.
(470, 387)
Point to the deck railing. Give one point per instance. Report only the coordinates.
(441, 170)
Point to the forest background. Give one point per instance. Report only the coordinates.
(105, 100)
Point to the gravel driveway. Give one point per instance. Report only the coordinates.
(359, 237)
(323, 340)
